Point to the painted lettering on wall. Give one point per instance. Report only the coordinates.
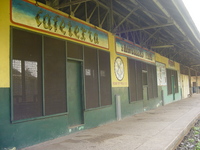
(51, 23)
(131, 50)
(26, 13)
(120, 83)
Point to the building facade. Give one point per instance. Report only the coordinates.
(60, 75)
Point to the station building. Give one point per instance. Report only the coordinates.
(60, 74)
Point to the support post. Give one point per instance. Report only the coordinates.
(118, 107)
(197, 86)
(190, 86)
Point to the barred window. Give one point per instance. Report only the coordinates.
(142, 74)
(97, 78)
(38, 75)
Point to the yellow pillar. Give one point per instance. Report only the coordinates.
(5, 44)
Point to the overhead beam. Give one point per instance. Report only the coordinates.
(88, 19)
(125, 18)
(148, 14)
(52, 3)
(196, 35)
(66, 4)
(145, 28)
(146, 11)
(122, 16)
(162, 46)
(135, 25)
(151, 36)
(104, 18)
(175, 23)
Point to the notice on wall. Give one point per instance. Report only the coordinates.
(88, 72)
(161, 74)
(27, 13)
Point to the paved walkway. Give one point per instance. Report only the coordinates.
(158, 129)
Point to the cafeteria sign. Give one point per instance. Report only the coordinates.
(26, 13)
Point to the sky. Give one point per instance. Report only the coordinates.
(194, 10)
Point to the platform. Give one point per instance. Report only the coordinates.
(159, 129)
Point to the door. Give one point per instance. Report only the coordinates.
(145, 90)
(74, 92)
(194, 87)
(173, 86)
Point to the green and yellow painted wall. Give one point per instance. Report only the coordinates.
(26, 133)
(169, 65)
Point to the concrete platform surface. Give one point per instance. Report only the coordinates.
(159, 129)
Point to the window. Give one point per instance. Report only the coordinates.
(132, 80)
(105, 78)
(144, 77)
(91, 78)
(142, 74)
(152, 82)
(74, 51)
(27, 75)
(38, 75)
(97, 78)
(139, 80)
(54, 76)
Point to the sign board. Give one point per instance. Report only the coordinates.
(171, 63)
(26, 13)
(127, 48)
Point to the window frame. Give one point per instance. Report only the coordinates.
(99, 82)
(42, 79)
(145, 71)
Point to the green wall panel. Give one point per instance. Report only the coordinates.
(132, 108)
(26, 133)
(169, 98)
(99, 116)
(31, 132)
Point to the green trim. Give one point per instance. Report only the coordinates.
(74, 59)
(131, 102)
(99, 80)
(11, 72)
(66, 70)
(84, 91)
(110, 79)
(39, 118)
(43, 90)
(101, 107)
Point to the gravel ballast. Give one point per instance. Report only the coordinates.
(192, 140)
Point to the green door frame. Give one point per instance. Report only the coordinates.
(173, 86)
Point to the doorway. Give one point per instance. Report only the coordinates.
(74, 92)
(145, 90)
(173, 86)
